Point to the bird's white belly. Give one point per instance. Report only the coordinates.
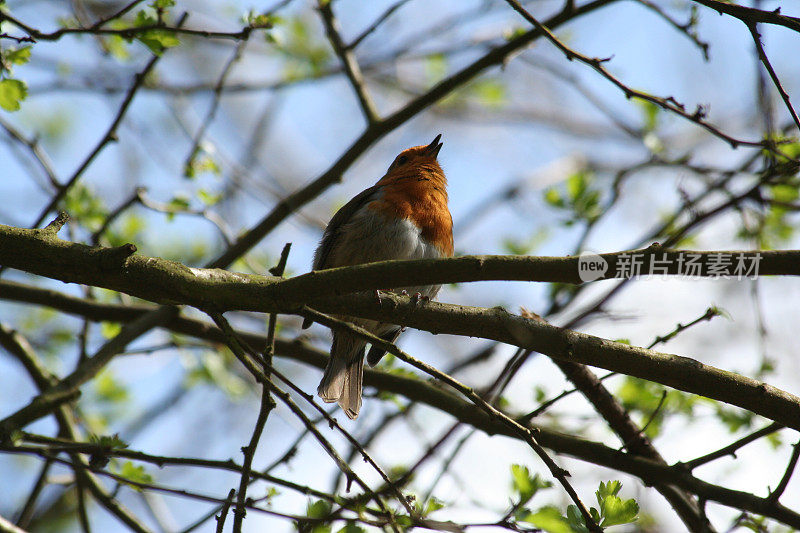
(371, 237)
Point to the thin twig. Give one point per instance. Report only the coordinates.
(83, 516)
(266, 407)
(669, 103)
(224, 511)
(28, 508)
(685, 28)
(126, 33)
(749, 15)
(348, 59)
(733, 447)
(373, 133)
(121, 12)
(775, 495)
(109, 136)
(113, 215)
(36, 151)
(259, 374)
(212, 111)
(525, 433)
(765, 60)
(374, 26)
(367, 458)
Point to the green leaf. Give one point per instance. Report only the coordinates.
(575, 520)
(792, 148)
(491, 92)
(613, 509)
(85, 206)
(576, 185)
(306, 53)
(199, 163)
(618, 511)
(753, 523)
(645, 396)
(212, 369)
(515, 32)
(784, 192)
(156, 40)
(260, 20)
(607, 489)
(580, 198)
(179, 203)
(548, 519)
(110, 329)
(553, 197)
(127, 230)
(162, 4)
(135, 473)
(209, 198)
(18, 56)
(108, 389)
(112, 441)
(318, 509)
(433, 504)
(526, 485)
(435, 67)
(650, 113)
(12, 92)
(404, 521)
(515, 247)
(117, 47)
(735, 419)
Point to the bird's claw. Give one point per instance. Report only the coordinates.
(419, 297)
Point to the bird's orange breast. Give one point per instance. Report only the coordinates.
(423, 201)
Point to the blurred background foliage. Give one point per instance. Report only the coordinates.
(543, 156)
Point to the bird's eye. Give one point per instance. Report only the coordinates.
(402, 160)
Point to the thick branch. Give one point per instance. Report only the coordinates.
(750, 15)
(158, 280)
(117, 269)
(651, 472)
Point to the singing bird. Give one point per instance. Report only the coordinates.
(403, 216)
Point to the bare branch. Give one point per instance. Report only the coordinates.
(109, 136)
(348, 58)
(765, 60)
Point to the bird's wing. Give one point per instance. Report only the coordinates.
(331, 234)
(341, 217)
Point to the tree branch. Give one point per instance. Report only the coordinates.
(109, 136)
(651, 472)
(162, 281)
(373, 133)
(750, 15)
(348, 59)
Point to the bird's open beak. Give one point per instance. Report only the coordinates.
(432, 149)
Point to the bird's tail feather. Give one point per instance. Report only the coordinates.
(344, 373)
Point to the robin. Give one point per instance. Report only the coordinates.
(403, 216)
